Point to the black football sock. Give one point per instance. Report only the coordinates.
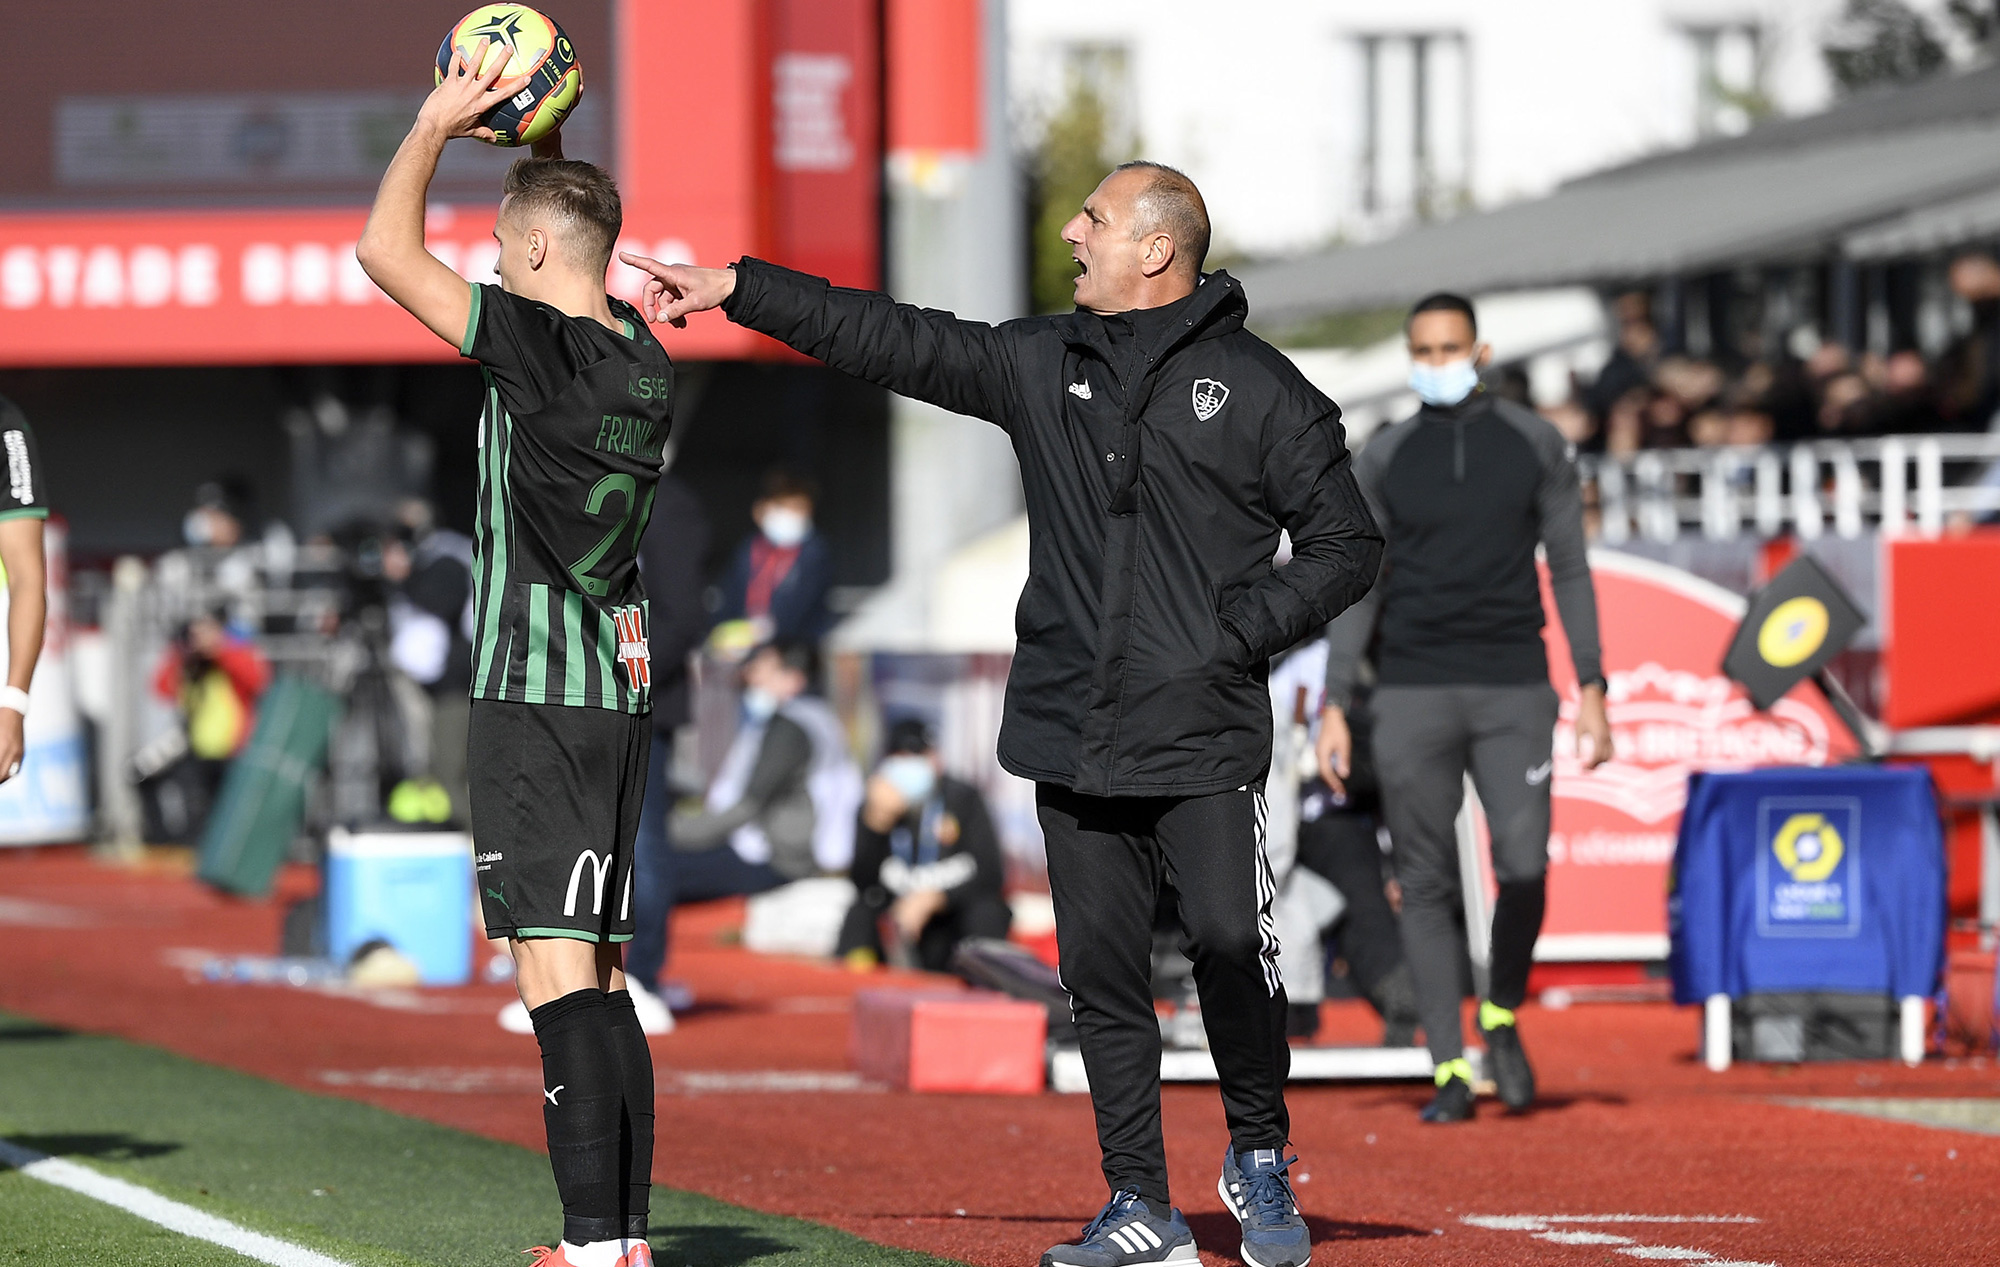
(582, 1104)
(1517, 922)
(635, 1140)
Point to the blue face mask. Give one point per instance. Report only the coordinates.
(1445, 384)
(759, 704)
(912, 775)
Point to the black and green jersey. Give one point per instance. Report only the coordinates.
(23, 495)
(570, 441)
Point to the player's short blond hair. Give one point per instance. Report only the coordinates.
(581, 196)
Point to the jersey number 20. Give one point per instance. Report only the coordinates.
(627, 489)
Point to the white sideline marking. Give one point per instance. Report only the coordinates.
(521, 1080)
(1535, 1222)
(154, 1208)
(1541, 1226)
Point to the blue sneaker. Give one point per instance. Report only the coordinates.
(1126, 1232)
(1257, 1192)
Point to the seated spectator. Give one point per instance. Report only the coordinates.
(927, 865)
(781, 808)
(776, 586)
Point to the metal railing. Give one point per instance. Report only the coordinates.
(1896, 485)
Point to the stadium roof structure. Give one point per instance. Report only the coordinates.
(1888, 173)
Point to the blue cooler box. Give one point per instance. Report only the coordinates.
(411, 889)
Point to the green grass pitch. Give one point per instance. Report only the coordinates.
(353, 1182)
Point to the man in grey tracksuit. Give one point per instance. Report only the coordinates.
(1464, 491)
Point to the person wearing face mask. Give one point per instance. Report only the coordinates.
(756, 828)
(926, 861)
(777, 583)
(1465, 490)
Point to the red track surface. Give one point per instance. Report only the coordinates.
(1630, 1125)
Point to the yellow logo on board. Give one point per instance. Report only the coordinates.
(1792, 632)
(1808, 848)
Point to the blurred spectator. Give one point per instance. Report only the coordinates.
(429, 573)
(1843, 405)
(1691, 383)
(670, 557)
(782, 806)
(776, 585)
(1510, 382)
(214, 679)
(927, 866)
(1906, 404)
(1574, 421)
(1625, 423)
(1748, 421)
(1663, 424)
(1632, 360)
(1708, 427)
(1969, 371)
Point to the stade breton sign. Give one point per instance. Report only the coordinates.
(217, 287)
(1672, 712)
(769, 143)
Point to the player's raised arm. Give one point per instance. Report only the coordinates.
(391, 250)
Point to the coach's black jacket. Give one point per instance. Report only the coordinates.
(1151, 605)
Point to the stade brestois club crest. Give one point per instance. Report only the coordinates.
(1209, 397)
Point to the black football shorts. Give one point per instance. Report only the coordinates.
(556, 792)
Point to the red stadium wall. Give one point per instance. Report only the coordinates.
(767, 142)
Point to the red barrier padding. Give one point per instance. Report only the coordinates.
(922, 1040)
(1941, 649)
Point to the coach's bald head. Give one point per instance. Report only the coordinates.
(1141, 238)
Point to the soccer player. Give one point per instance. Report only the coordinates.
(1163, 450)
(1465, 490)
(576, 414)
(24, 506)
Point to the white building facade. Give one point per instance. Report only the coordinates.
(1309, 122)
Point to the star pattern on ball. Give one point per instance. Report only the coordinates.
(505, 26)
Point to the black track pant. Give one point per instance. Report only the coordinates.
(1342, 848)
(1427, 739)
(1107, 859)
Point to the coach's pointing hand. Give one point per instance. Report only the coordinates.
(685, 288)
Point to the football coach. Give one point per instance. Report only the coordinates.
(1163, 450)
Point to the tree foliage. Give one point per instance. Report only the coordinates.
(1075, 153)
(1890, 42)
(1881, 42)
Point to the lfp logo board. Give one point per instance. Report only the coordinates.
(1809, 866)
